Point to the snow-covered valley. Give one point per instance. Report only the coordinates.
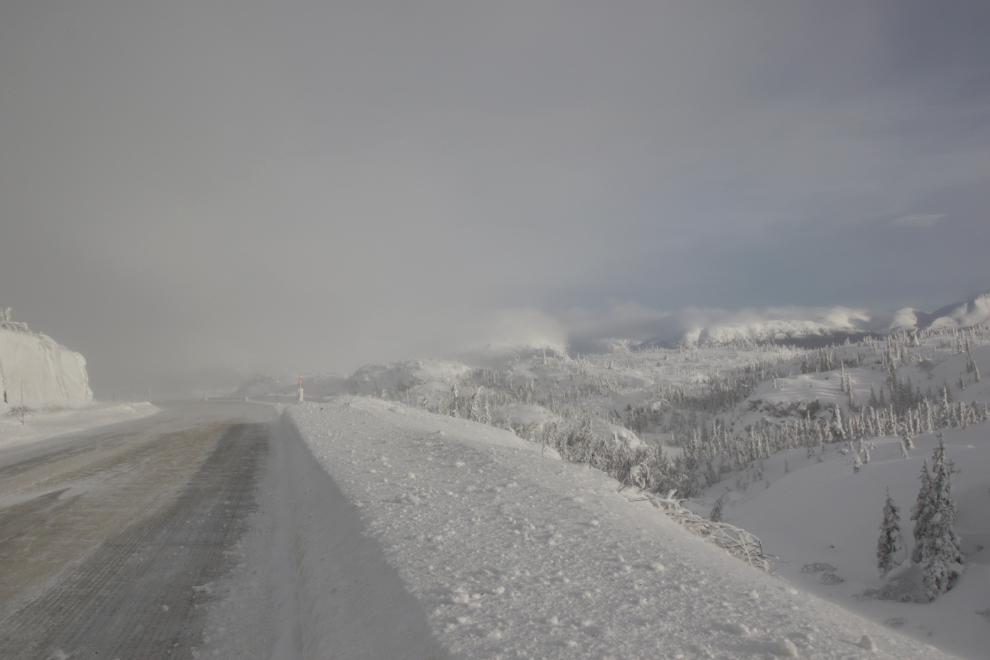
(470, 497)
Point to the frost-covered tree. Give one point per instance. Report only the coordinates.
(716, 514)
(906, 441)
(921, 512)
(474, 413)
(857, 464)
(936, 547)
(454, 396)
(942, 417)
(890, 540)
(928, 418)
(838, 428)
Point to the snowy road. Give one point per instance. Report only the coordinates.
(105, 535)
(360, 528)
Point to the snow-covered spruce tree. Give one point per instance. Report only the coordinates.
(921, 512)
(716, 514)
(474, 412)
(857, 464)
(454, 396)
(890, 536)
(936, 544)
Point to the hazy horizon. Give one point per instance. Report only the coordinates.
(191, 192)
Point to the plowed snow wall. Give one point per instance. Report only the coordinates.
(52, 376)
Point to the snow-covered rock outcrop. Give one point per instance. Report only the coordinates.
(50, 375)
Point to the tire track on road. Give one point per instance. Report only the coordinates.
(133, 597)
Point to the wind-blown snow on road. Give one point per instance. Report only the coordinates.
(439, 537)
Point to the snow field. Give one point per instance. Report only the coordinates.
(422, 536)
(824, 515)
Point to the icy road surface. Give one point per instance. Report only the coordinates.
(105, 535)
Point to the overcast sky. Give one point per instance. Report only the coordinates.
(213, 186)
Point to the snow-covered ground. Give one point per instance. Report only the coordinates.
(44, 424)
(822, 520)
(403, 534)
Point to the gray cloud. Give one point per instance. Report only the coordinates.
(917, 220)
(311, 186)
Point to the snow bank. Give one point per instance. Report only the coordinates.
(42, 425)
(423, 536)
(51, 375)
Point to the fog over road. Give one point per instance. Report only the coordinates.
(105, 534)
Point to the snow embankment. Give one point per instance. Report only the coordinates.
(42, 425)
(48, 375)
(423, 536)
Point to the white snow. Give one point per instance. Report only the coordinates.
(41, 425)
(822, 521)
(482, 544)
(407, 534)
(713, 327)
(38, 372)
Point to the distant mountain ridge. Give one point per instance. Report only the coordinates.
(810, 326)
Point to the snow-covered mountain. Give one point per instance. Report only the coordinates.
(974, 311)
(36, 370)
(809, 326)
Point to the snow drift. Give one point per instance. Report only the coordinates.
(48, 374)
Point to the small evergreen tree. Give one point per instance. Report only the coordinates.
(921, 512)
(454, 396)
(890, 536)
(936, 544)
(716, 514)
(475, 414)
